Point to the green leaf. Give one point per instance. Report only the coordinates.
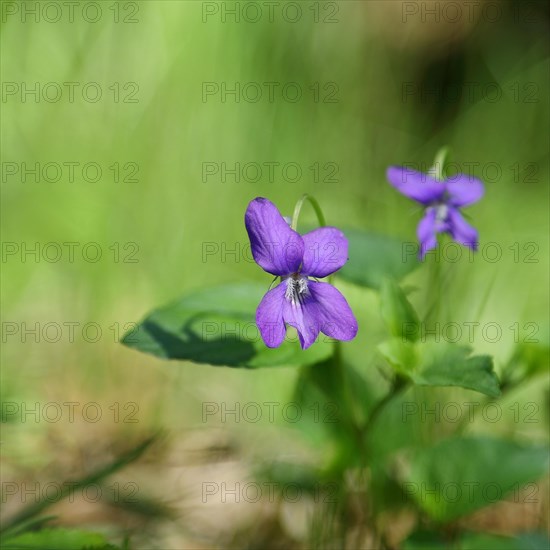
(426, 540)
(475, 541)
(217, 327)
(442, 364)
(529, 359)
(397, 312)
(460, 475)
(402, 355)
(448, 364)
(373, 258)
(58, 539)
(533, 541)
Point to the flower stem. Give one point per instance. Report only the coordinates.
(399, 385)
(441, 162)
(316, 207)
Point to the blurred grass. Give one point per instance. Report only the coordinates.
(170, 212)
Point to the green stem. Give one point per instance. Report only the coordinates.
(440, 163)
(434, 288)
(345, 386)
(316, 207)
(398, 386)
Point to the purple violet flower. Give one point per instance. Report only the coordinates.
(443, 200)
(309, 306)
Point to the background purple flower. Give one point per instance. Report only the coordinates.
(443, 200)
(309, 306)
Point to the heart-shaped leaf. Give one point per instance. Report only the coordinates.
(374, 258)
(441, 364)
(217, 327)
(459, 475)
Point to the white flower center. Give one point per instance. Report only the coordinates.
(296, 289)
(441, 212)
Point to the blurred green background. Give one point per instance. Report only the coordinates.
(402, 85)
